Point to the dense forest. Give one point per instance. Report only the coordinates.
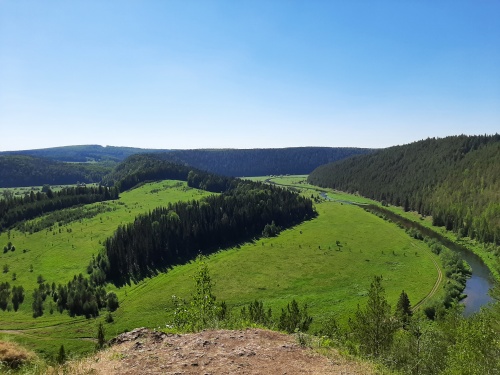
(83, 153)
(262, 162)
(23, 170)
(148, 167)
(45, 166)
(454, 179)
(179, 232)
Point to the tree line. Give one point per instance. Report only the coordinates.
(227, 162)
(262, 162)
(454, 179)
(175, 234)
(179, 232)
(17, 209)
(140, 168)
(24, 170)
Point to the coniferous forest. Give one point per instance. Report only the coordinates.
(17, 209)
(68, 165)
(454, 179)
(24, 170)
(181, 231)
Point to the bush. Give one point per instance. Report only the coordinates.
(294, 319)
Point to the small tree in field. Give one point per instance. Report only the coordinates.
(373, 327)
(61, 356)
(101, 336)
(403, 309)
(203, 311)
(203, 304)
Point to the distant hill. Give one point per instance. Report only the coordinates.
(227, 162)
(454, 179)
(83, 153)
(262, 162)
(140, 168)
(24, 170)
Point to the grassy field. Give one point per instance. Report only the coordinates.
(64, 251)
(304, 263)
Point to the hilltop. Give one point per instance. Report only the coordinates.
(249, 351)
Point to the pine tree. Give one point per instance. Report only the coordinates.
(61, 356)
(101, 336)
(373, 327)
(403, 309)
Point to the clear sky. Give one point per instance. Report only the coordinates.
(246, 73)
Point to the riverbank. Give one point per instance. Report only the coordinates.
(484, 264)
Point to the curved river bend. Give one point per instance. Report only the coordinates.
(481, 280)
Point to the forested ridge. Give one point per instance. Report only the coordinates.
(18, 209)
(262, 162)
(83, 153)
(49, 166)
(137, 169)
(179, 232)
(454, 179)
(23, 170)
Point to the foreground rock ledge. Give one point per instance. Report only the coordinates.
(250, 351)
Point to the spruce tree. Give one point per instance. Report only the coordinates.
(101, 338)
(403, 309)
(373, 327)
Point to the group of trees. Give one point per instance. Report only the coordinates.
(179, 232)
(454, 179)
(17, 209)
(15, 295)
(408, 342)
(80, 296)
(137, 169)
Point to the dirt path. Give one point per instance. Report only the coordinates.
(436, 285)
(438, 269)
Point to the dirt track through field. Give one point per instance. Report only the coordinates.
(436, 285)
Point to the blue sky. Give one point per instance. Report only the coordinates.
(246, 74)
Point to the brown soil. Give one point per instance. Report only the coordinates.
(250, 351)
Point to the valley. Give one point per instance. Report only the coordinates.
(178, 249)
(325, 262)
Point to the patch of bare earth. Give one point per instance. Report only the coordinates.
(250, 351)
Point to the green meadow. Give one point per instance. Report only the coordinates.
(327, 262)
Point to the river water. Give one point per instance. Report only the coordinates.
(481, 280)
(477, 286)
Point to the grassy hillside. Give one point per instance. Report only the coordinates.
(304, 263)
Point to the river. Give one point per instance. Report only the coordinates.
(477, 286)
(481, 280)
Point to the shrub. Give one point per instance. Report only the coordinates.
(294, 319)
(13, 355)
